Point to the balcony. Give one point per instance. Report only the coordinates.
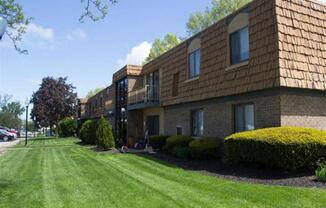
(145, 97)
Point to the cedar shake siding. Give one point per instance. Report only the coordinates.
(262, 66)
(302, 44)
(217, 78)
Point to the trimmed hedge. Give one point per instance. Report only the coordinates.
(104, 135)
(157, 142)
(87, 132)
(177, 142)
(67, 127)
(182, 152)
(289, 148)
(206, 148)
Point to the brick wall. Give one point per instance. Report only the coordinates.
(218, 113)
(304, 108)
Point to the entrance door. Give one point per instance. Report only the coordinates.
(153, 125)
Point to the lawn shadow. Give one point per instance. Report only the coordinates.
(81, 143)
(155, 159)
(240, 172)
(5, 184)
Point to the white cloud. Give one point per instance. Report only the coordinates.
(77, 34)
(39, 32)
(36, 36)
(137, 54)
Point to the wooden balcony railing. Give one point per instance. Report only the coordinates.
(147, 94)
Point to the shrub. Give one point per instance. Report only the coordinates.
(67, 127)
(182, 152)
(206, 148)
(87, 132)
(289, 148)
(177, 141)
(104, 135)
(157, 142)
(321, 172)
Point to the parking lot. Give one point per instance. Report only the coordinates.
(5, 145)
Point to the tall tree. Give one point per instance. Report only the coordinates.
(54, 101)
(218, 10)
(10, 112)
(91, 93)
(14, 14)
(160, 46)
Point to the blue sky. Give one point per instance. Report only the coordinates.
(88, 53)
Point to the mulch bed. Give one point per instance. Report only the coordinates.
(243, 173)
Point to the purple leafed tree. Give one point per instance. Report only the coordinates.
(53, 101)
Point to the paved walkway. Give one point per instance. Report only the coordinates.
(5, 145)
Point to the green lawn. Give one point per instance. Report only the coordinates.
(60, 173)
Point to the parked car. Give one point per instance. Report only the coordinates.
(5, 135)
(12, 132)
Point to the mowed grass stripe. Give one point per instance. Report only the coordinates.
(60, 173)
(126, 187)
(175, 190)
(189, 190)
(23, 169)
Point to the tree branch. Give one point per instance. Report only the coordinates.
(95, 9)
(13, 13)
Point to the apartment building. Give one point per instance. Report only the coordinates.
(262, 66)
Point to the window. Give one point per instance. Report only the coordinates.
(175, 84)
(179, 130)
(197, 124)
(244, 117)
(239, 44)
(194, 64)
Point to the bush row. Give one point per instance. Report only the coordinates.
(290, 148)
(99, 133)
(186, 147)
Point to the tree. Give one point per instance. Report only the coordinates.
(161, 46)
(87, 132)
(10, 112)
(67, 127)
(218, 10)
(14, 14)
(30, 126)
(91, 93)
(54, 101)
(104, 135)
